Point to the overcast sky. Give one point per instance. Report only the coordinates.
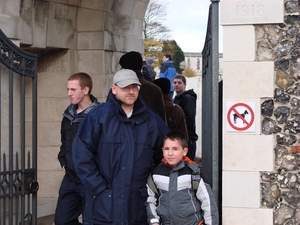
(187, 20)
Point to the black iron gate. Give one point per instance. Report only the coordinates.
(212, 106)
(18, 129)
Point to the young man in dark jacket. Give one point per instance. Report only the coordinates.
(187, 101)
(72, 193)
(114, 151)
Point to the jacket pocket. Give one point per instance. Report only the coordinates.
(101, 206)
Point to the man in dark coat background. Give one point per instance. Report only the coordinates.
(150, 93)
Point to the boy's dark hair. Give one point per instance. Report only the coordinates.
(177, 135)
(84, 80)
(181, 77)
(168, 56)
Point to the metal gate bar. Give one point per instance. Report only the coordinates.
(210, 102)
(18, 185)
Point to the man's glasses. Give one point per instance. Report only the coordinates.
(134, 87)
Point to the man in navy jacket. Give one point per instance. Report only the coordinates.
(114, 151)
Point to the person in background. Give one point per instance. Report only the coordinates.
(150, 63)
(168, 70)
(186, 99)
(71, 197)
(114, 151)
(174, 113)
(146, 71)
(150, 93)
(176, 198)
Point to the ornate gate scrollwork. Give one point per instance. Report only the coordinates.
(18, 129)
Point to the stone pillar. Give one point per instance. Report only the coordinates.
(246, 82)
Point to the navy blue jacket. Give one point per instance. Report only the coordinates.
(113, 156)
(69, 126)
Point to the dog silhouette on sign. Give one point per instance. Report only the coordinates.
(235, 116)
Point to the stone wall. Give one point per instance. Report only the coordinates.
(280, 190)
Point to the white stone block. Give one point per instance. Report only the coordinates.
(90, 20)
(7, 23)
(235, 12)
(248, 152)
(239, 43)
(246, 216)
(248, 79)
(90, 40)
(89, 61)
(241, 189)
(133, 43)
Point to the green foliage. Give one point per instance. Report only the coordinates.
(171, 47)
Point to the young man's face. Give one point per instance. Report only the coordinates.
(173, 152)
(164, 59)
(75, 93)
(178, 85)
(127, 95)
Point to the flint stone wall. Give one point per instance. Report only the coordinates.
(280, 190)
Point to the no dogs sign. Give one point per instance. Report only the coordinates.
(240, 116)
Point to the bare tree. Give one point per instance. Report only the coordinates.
(153, 27)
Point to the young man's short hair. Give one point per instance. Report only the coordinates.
(168, 56)
(181, 77)
(84, 80)
(177, 135)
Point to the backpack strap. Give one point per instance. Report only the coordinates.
(195, 180)
(152, 185)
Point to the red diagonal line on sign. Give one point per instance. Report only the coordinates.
(240, 116)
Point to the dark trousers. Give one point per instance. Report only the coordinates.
(192, 149)
(70, 203)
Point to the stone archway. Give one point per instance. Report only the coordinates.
(69, 36)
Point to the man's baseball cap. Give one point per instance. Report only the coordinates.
(125, 77)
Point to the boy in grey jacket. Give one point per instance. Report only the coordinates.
(176, 201)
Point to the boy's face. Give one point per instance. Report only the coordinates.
(173, 152)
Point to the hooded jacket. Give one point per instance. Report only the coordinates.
(152, 96)
(69, 126)
(187, 101)
(178, 203)
(113, 157)
(168, 70)
(175, 116)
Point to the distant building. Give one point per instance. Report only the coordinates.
(194, 61)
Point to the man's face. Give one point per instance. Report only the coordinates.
(127, 95)
(75, 93)
(178, 85)
(164, 59)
